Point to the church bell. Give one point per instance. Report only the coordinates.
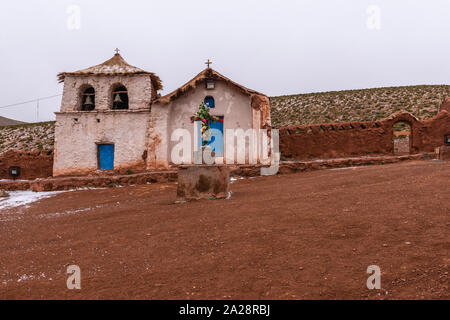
(117, 99)
(88, 101)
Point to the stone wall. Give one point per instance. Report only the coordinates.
(68, 183)
(348, 139)
(444, 153)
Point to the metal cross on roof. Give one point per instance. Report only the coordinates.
(208, 63)
(117, 50)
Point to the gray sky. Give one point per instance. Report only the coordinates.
(275, 47)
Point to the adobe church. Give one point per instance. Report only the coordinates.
(112, 119)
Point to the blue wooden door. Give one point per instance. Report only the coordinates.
(106, 156)
(216, 142)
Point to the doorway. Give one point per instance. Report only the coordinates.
(402, 138)
(216, 141)
(105, 156)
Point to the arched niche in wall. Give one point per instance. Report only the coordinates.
(87, 98)
(119, 97)
(209, 101)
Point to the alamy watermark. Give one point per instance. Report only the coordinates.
(73, 21)
(240, 146)
(374, 281)
(74, 280)
(373, 21)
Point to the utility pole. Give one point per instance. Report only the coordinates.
(37, 110)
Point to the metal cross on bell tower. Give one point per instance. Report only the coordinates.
(117, 50)
(208, 63)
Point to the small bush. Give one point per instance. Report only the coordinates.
(4, 194)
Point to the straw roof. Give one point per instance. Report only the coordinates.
(114, 66)
(208, 73)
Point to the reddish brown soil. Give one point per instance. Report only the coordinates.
(306, 235)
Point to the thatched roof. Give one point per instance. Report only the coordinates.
(114, 66)
(208, 73)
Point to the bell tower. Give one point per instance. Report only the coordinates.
(111, 85)
(104, 118)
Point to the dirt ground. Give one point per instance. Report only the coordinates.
(300, 236)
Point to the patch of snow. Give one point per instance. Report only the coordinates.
(68, 212)
(25, 277)
(86, 188)
(345, 168)
(20, 198)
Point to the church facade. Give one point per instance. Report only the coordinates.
(112, 119)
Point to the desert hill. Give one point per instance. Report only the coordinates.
(27, 137)
(7, 122)
(357, 105)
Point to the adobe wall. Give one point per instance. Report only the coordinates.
(429, 134)
(139, 91)
(33, 164)
(445, 105)
(239, 111)
(336, 140)
(77, 135)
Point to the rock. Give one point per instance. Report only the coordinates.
(4, 194)
(197, 182)
(444, 153)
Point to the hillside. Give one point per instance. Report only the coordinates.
(351, 105)
(356, 105)
(30, 136)
(8, 122)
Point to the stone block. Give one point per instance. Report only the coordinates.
(197, 182)
(444, 153)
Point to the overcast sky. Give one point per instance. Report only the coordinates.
(275, 47)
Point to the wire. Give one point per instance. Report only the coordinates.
(25, 102)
